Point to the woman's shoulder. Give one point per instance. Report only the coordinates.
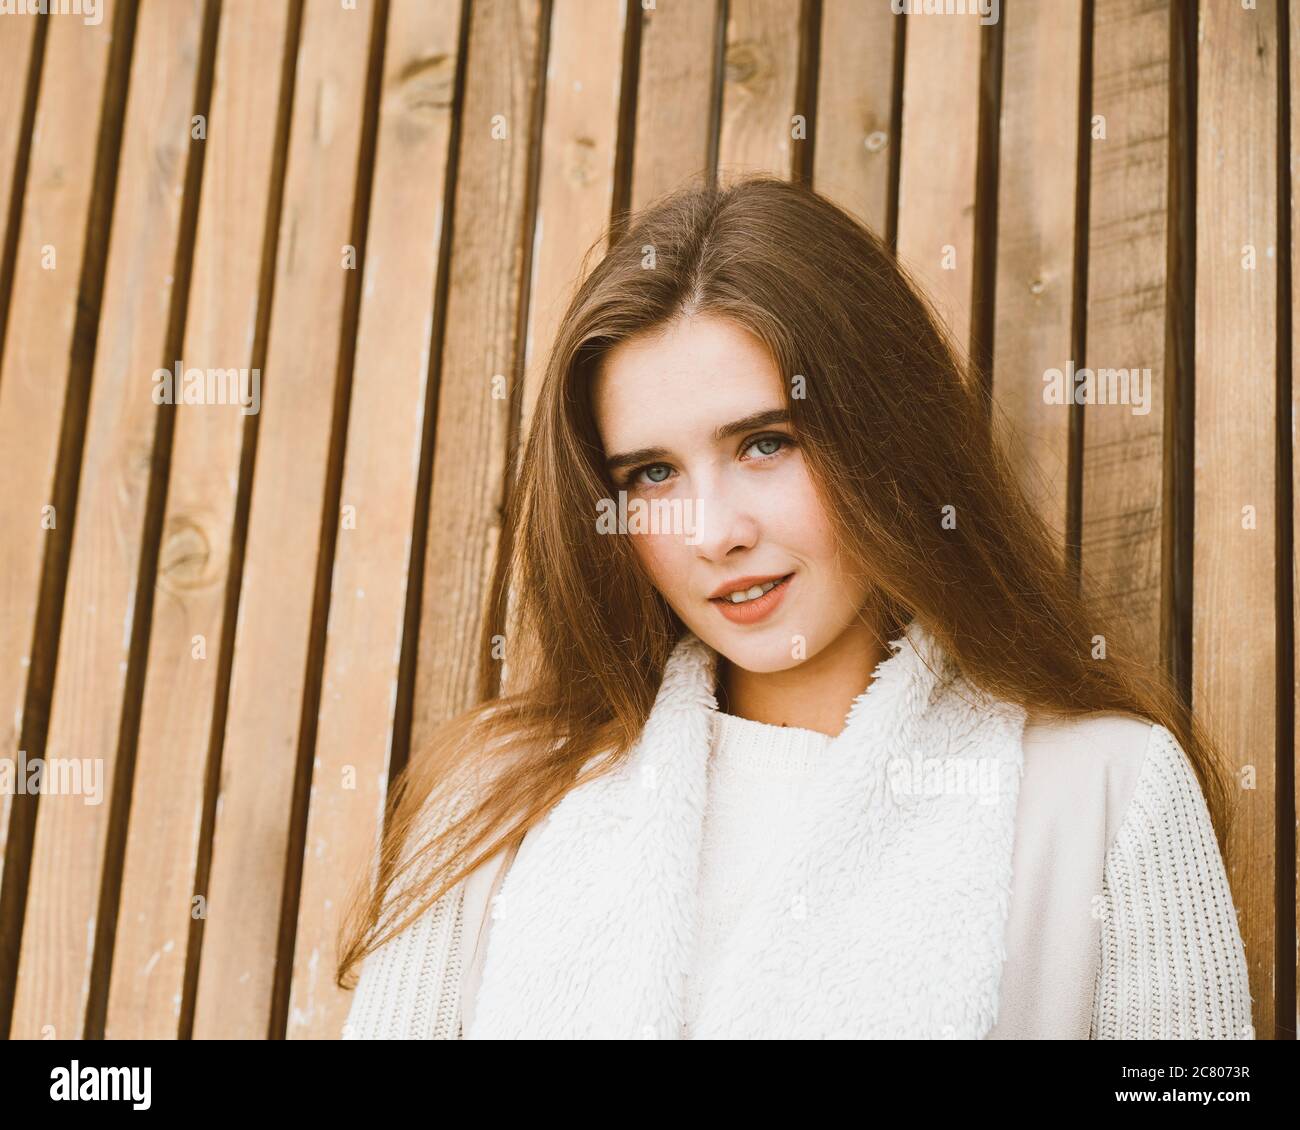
(1109, 758)
(1114, 737)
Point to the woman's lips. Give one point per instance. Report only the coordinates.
(751, 611)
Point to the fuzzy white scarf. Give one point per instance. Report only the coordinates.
(882, 916)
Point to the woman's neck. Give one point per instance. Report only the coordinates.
(813, 695)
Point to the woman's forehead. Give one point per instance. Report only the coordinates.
(694, 369)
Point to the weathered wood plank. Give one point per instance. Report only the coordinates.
(381, 472)
(1125, 448)
(483, 354)
(189, 613)
(575, 202)
(1037, 176)
(675, 96)
(1234, 651)
(855, 109)
(36, 366)
(1294, 210)
(937, 175)
(18, 44)
(760, 89)
(70, 852)
(274, 626)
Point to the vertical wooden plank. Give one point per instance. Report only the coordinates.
(36, 364)
(575, 200)
(484, 343)
(1293, 180)
(575, 197)
(675, 96)
(1037, 176)
(937, 175)
(18, 43)
(225, 308)
(381, 472)
(855, 109)
(1234, 653)
(70, 850)
(760, 89)
(1125, 452)
(274, 625)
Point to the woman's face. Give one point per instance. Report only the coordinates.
(695, 418)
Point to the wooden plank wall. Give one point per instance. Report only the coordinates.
(245, 622)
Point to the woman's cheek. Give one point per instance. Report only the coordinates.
(792, 516)
(660, 555)
(811, 506)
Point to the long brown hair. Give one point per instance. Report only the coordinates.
(895, 428)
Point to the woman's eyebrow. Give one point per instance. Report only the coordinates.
(754, 420)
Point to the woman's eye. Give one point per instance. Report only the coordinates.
(774, 444)
(656, 474)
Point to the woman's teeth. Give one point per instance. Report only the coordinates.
(753, 593)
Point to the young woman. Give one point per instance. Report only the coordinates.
(810, 733)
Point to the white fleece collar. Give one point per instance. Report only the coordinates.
(885, 910)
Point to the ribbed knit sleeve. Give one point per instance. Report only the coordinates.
(409, 988)
(1172, 961)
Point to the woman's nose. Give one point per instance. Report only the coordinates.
(719, 526)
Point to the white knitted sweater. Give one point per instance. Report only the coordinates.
(1171, 964)
(755, 775)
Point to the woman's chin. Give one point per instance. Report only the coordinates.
(762, 653)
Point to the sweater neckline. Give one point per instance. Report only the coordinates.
(744, 743)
